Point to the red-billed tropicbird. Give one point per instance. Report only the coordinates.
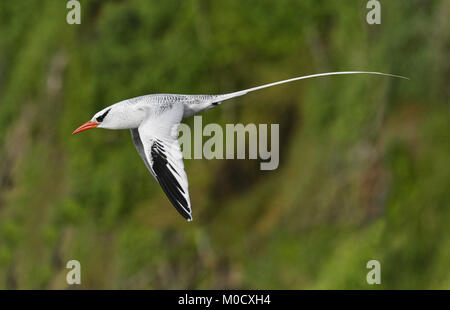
(153, 121)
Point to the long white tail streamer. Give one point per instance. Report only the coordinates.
(246, 91)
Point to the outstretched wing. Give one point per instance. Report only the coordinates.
(157, 144)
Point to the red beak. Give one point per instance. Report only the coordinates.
(86, 126)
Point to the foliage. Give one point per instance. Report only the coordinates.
(363, 159)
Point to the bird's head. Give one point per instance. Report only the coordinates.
(99, 120)
(117, 116)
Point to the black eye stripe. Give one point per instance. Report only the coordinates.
(101, 117)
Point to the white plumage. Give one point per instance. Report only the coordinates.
(153, 121)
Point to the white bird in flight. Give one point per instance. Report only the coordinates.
(153, 121)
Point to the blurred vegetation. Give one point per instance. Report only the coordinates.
(364, 160)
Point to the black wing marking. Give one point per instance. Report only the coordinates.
(164, 173)
(156, 142)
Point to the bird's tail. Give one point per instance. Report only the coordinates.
(223, 97)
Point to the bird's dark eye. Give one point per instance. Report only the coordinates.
(101, 117)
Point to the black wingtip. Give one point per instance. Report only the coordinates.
(169, 183)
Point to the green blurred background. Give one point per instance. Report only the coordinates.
(364, 160)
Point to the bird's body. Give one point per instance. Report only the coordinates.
(153, 121)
